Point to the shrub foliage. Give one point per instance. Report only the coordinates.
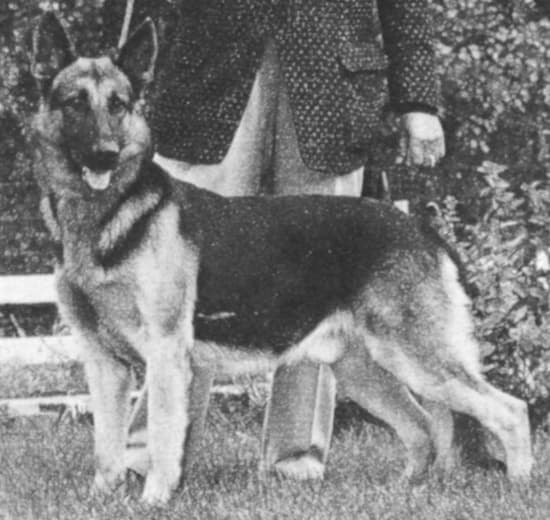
(505, 255)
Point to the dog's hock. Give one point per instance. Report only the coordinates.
(52, 51)
(138, 56)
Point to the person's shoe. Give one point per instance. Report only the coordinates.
(304, 467)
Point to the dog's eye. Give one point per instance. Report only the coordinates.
(78, 103)
(117, 105)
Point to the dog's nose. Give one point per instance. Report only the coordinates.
(104, 157)
(103, 160)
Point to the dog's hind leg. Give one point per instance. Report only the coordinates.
(442, 434)
(459, 390)
(500, 413)
(464, 388)
(381, 394)
(434, 353)
(110, 384)
(442, 374)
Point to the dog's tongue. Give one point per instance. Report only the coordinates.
(97, 180)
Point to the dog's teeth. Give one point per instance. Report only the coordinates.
(97, 180)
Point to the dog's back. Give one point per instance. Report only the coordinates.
(277, 266)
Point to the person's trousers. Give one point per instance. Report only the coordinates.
(264, 158)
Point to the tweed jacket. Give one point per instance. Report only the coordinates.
(341, 61)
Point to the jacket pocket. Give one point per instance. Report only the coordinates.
(363, 70)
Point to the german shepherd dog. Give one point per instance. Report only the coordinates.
(156, 271)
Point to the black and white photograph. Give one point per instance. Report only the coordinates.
(275, 259)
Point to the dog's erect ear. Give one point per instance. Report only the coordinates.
(138, 55)
(52, 51)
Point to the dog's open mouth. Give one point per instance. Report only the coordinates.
(97, 180)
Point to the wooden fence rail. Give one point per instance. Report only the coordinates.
(27, 289)
(34, 350)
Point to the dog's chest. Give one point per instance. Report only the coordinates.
(156, 284)
(144, 297)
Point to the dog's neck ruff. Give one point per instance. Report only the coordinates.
(122, 228)
(108, 226)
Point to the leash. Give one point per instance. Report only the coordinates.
(126, 23)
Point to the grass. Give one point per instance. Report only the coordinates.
(46, 471)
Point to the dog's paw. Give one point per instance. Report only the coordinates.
(519, 471)
(157, 491)
(137, 460)
(306, 467)
(107, 483)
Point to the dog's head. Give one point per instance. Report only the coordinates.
(90, 115)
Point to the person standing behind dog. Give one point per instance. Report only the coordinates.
(283, 97)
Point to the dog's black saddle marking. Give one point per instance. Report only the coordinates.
(279, 265)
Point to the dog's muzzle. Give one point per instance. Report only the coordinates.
(98, 168)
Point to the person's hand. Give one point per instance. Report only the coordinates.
(423, 143)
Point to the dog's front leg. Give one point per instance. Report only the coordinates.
(137, 454)
(169, 376)
(110, 384)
